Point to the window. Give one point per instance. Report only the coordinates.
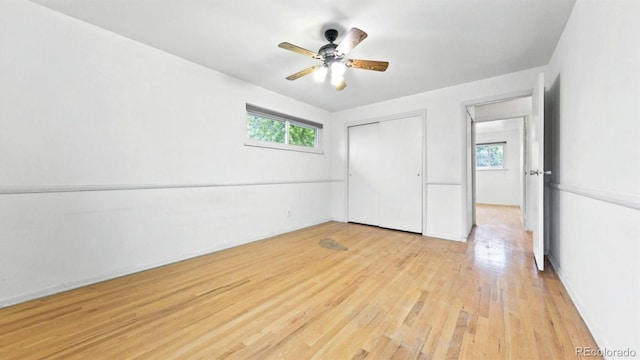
(490, 155)
(267, 128)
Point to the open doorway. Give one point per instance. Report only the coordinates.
(499, 163)
(529, 105)
(498, 156)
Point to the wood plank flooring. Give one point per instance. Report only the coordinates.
(390, 295)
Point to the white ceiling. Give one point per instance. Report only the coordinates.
(430, 44)
(498, 125)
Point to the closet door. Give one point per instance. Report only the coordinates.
(400, 184)
(363, 174)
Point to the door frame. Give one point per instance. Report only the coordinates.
(468, 188)
(420, 112)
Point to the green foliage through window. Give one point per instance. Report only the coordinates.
(302, 135)
(490, 156)
(281, 130)
(261, 128)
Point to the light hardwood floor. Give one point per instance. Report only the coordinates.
(390, 295)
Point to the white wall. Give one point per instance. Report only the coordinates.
(501, 186)
(446, 177)
(83, 109)
(594, 80)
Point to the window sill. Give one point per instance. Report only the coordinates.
(268, 145)
(490, 169)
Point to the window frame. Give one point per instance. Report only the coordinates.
(503, 144)
(288, 121)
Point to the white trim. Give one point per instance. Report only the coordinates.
(575, 299)
(518, 115)
(425, 190)
(626, 200)
(491, 169)
(279, 146)
(122, 187)
(419, 112)
(445, 237)
(287, 126)
(276, 115)
(499, 98)
(443, 183)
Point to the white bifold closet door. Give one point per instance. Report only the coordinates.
(385, 174)
(363, 173)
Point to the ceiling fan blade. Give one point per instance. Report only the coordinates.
(298, 49)
(304, 72)
(351, 40)
(341, 85)
(367, 64)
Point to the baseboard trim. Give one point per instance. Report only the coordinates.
(444, 237)
(67, 286)
(593, 329)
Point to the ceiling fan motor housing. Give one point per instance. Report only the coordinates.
(328, 53)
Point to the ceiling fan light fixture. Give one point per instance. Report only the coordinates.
(336, 79)
(337, 72)
(338, 68)
(321, 74)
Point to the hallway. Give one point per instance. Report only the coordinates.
(532, 304)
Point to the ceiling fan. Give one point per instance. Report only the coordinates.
(334, 59)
